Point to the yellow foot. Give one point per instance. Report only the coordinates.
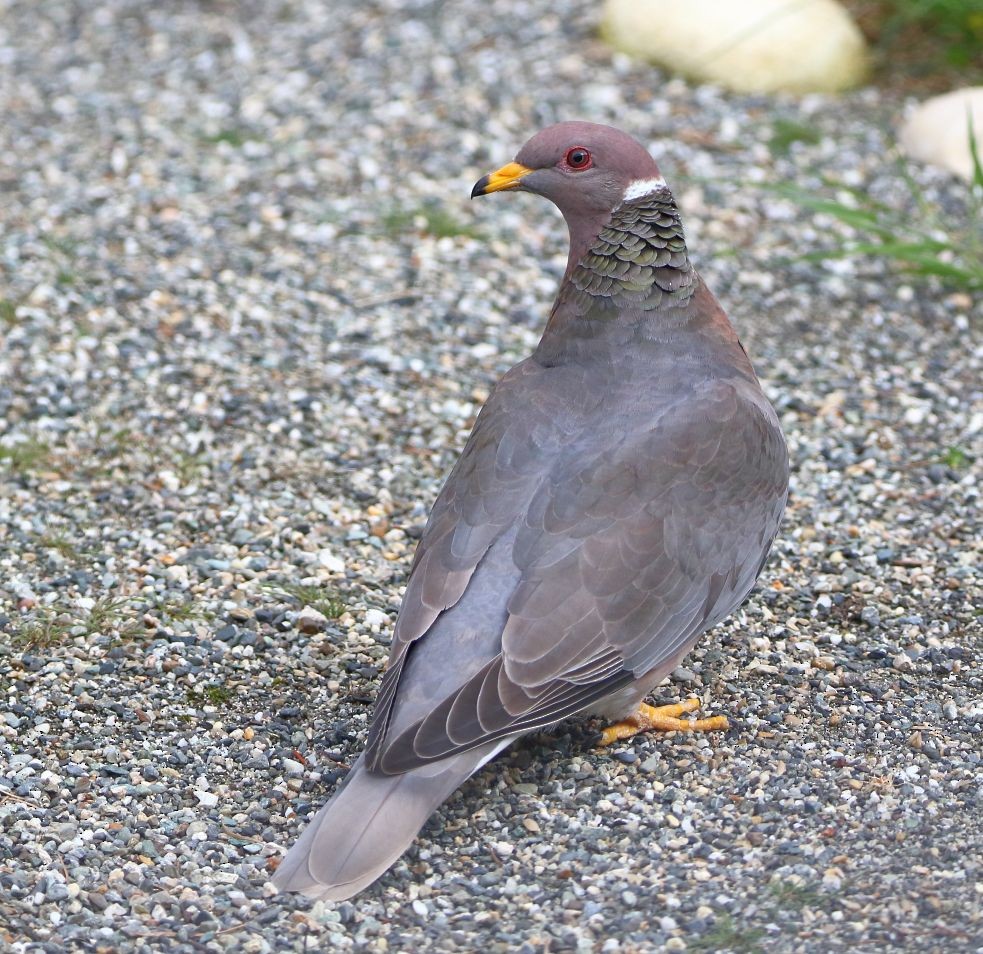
(664, 718)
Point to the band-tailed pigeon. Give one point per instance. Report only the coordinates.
(617, 497)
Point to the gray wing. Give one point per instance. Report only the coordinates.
(621, 558)
(480, 501)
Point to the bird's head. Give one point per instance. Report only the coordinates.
(586, 170)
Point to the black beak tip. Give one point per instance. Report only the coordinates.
(480, 186)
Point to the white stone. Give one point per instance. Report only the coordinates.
(374, 617)
(751, 46)
(206, 799)
(937, 131)
(330, 562)
(169, 480)
(178, 573)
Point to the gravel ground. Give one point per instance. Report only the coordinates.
(247, 318)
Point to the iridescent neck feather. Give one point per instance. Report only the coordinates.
(638, 259)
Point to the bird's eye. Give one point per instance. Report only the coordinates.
(578, 158)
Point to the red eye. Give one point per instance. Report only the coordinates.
(578, 158)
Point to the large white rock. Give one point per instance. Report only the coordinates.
(747, 45)
(937, 131)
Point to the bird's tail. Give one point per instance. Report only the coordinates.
(369, 822)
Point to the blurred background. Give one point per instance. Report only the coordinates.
(247, 318)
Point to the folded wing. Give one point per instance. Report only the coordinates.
(617, 560)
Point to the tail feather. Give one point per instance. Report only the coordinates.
(369, 822)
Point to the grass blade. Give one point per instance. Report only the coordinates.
(974, 150)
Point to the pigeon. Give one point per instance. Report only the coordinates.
(617, 497)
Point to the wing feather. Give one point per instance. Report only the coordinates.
(621, 558)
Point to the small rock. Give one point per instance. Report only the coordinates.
(206, 799)
(870, 616)
(330, 562)
(56, 891)
(310, 621)
(178, 573)
(902, 662)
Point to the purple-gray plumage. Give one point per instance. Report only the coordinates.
(617, 497)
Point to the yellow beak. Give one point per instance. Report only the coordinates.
(508, 177)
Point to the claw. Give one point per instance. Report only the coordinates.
(663, 718)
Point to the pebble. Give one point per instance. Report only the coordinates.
(330, 561)
(374, 617)
(310, 621)
(870, 616)
(902, 662)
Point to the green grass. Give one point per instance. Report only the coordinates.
(184, 611)
(187, 466)
(923, 46)
(63, 252)
(66, 247)
(316, 597)
(790, 895)
(957, 25)
(60, 544)
(955, 458)
(726, 935)
(107, 616)
(217, 696)
(915, 237)
(785, 132)
(431, 219)
(40, 630)
(54, 625)
(25, 456)
(232, 137)
(8, 312)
